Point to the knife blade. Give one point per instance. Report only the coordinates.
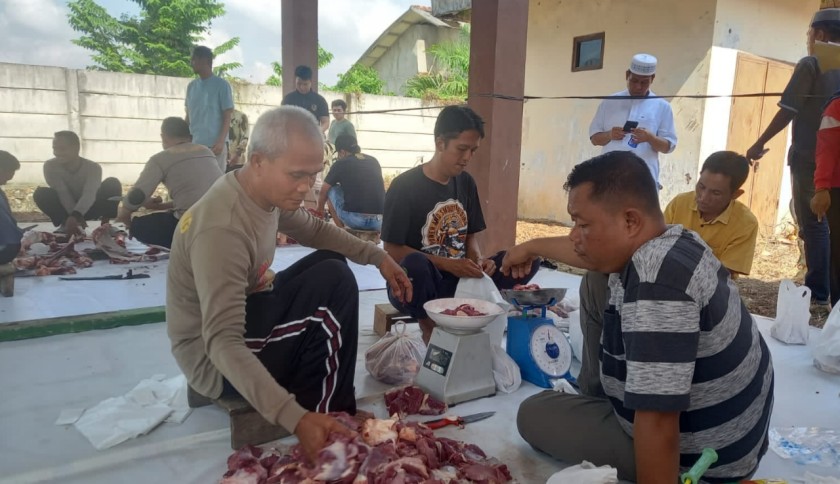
(457, 421)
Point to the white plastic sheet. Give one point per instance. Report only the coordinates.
(146, 406)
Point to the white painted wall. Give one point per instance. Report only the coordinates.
(400, 62)
(118, 118)
(769, 28)
(555, 132)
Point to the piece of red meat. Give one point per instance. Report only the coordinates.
(526, 287)
(432, 406)
(411, 400)
(404, 469)
(463, 310)
(484, 473)
(251, 474)
(244, 457)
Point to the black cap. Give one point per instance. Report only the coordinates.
(347, 143)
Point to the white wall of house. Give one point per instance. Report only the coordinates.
(118, 118)
(697, 45)
(409, 55)
(555, 132)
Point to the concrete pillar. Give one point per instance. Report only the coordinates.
(497, 66)
(74, 122)
(299, 22)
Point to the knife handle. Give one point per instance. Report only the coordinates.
(443, 422)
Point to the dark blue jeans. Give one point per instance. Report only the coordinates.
(813, 233)
(429, 283)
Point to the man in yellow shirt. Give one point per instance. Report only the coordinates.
(711, 210)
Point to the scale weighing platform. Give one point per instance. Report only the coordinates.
(458, 366)
(541, 350)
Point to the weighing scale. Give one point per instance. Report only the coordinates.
(541, 350)
(458, 366)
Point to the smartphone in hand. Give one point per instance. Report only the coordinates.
(630, 125)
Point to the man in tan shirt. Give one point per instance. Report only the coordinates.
(76, 191)
(285, 342)
(186, 169)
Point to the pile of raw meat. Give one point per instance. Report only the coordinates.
(411, 400)
(463, 310)
(382, 451)
(42, 253)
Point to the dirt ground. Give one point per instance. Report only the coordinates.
(775, 259)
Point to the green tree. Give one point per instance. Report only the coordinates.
(448, 79)
(156, 41)
(360, 79)
(276, 79)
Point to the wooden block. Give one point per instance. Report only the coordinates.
(385, 315)
(247, 426)
(7, 280)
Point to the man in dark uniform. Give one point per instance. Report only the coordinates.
(303, 96)
(815, 78)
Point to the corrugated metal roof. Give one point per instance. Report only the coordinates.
(415, 14)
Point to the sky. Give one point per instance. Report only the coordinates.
(37, 32)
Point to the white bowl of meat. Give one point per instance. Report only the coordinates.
(461, 315)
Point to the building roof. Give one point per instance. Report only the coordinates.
(415, 14)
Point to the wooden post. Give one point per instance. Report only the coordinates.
(299, 20)
(497, 66)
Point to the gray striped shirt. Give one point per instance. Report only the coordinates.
(678, 338)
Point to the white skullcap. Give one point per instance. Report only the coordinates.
(643, 65)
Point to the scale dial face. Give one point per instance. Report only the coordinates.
(550, 350)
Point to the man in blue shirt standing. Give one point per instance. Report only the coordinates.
(209, 106)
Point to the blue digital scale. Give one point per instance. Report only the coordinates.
(541, 350)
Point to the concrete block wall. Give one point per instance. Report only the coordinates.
(118, 117)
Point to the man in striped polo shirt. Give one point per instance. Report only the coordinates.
(682, 362)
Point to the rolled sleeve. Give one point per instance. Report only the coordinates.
(667, 130)
(226, 96)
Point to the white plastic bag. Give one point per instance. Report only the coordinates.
(585, 473)
(505, 371)
(576, 335)
(484, 289)
(827, 347)
(792, 314)
(396, 358)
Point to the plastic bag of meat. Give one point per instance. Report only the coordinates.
(396, 358)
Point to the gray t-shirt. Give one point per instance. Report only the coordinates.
(76, 189)
(678, 338)
(187, 170)
(806, 94)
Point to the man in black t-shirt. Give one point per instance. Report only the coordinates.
(303, 96)
(432, 213)
(355, 188)
(815, 78)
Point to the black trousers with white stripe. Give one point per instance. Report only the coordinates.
(305, 331)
